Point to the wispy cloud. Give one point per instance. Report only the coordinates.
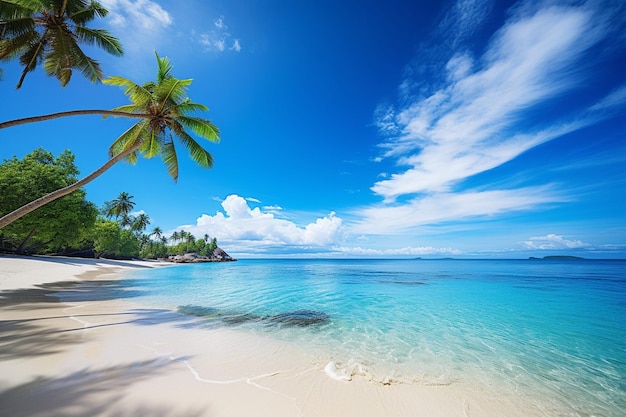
(474, 118)
(219, 38)
(140, 15)
(449, 207)
(257, 230)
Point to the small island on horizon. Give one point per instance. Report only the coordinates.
(557, 258)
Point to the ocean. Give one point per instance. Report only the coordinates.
(549, 332)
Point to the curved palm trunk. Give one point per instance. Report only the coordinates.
(33, 205)
(51, 116)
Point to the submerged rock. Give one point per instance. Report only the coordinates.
(300, 318)
(199, 311)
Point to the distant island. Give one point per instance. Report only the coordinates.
(557, 258)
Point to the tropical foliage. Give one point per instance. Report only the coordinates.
(62, 224)
(73, 225)
(50, 32)
(169, 109)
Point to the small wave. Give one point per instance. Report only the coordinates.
(347, 371)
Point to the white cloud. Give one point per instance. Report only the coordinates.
(253, 230)
(406, 251)
(472, 117)
(219, 38)
(553, 241)
(448, 207)
(470, 125)
(137, 16)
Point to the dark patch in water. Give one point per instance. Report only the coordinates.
(299, 318)
(199, 311)
(401, 282)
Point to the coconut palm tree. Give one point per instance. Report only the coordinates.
(49, 32)
(119, 207)
(140, 223)
(175, 237)
(166, 102)
(157, 232)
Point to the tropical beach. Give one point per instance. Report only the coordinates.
(76, 342)
(95, 356)
(417, 206)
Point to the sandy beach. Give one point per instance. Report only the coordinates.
(98, 353)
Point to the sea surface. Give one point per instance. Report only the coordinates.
(547, 331)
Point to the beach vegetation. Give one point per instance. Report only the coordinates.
(165, 112)
(50, 33)
(59, 225)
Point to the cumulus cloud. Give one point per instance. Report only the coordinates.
(552, 242)
(256, 230)
(219, 38)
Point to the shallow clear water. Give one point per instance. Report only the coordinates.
(549, 330)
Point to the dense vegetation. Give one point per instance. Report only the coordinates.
(72, 225)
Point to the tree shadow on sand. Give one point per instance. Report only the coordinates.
(92, 392)
(36, 337)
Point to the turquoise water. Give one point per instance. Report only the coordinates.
(548, 331)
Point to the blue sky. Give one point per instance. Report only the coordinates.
(473, 128)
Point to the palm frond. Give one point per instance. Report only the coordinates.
(137, 94)
(58, 62)
(12, 9)
(86, 12)
(171, 92)
(128, 139)
(101, 38)
(187, 107)
(10, 48)
(197, 153)
(164, 68)
(170, 159)
(29, 59)
(152, 145)
(16, 27)
(201, 127)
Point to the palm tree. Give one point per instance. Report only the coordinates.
(157, 232)
(140, 223)
(175, 236)
(49, 32)
(166, 102)
(119, 207)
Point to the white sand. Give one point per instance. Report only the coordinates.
(111, 357)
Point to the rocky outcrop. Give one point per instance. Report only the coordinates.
(219, 255)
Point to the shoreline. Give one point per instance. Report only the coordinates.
(99, 353)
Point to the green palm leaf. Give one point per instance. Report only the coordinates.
(57, 28)
(168, 154)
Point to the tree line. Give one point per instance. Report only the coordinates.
(72, 225)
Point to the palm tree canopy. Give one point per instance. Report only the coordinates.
(49, 32)
(166, 101)
(119, 207)
(140, 223)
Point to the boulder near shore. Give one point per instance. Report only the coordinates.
(218, 255)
